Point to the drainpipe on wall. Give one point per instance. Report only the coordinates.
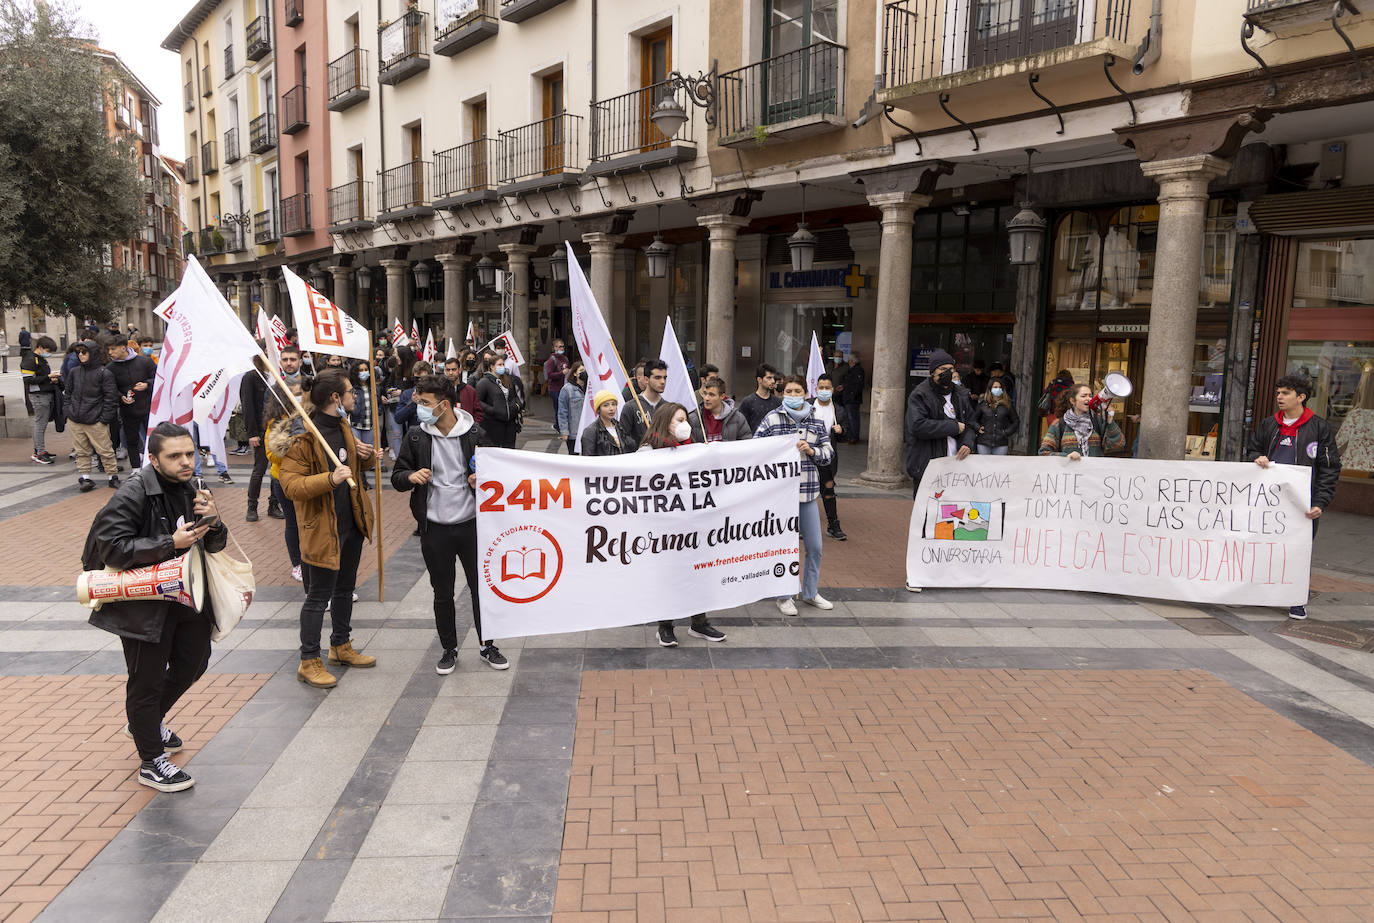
(1149, 50)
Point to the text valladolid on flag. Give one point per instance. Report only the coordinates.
(569, 544)
(1218, 532)
(321, 326)
(594, 344)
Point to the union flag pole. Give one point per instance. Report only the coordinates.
(377, 472)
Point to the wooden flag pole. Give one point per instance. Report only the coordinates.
(643, 415)
(376, 468)
(305, 417)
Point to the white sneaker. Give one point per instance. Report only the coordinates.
(819, 601)
(786, 606)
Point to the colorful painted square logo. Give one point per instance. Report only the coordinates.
(964, 520)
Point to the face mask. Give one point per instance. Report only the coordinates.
(364, 376)
(682, 431)
(792, 402)
(839, 359)
(291, 377)
(425, 414)
(823, 394)
(996, 392)
(944, 382)
(560, 351)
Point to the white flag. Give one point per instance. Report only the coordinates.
(452, 353)
(815, 366)
(278, 340)
(398, 334)
(205, 352)
(472, 335)
(414, 330)
(595, 345)
(322, 327)
(679, 389)
(430, 351)
(506, 341)
(260, 326)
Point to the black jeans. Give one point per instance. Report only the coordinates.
(293, 532)
(160, 672)
(334, 587)
(135, 431)
(259, 470)
(441, 545)
(826, 473)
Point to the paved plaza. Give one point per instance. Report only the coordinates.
(956, 754)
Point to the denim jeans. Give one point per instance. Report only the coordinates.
(42, 415)
(334, 587)
(993, 449)
(393, 429)
(809, 518)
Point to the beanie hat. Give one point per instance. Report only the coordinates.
(939, 358)
(602, 397)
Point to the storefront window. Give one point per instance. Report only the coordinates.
(1334, 274)
(1342, 376)
(959, 263)
(788, 346)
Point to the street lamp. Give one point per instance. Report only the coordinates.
(669, 116)
(421, 271)
(364, 279)
(1026, 231)
(803, 242)
(657, 252)
(558, 262)
(486, 271)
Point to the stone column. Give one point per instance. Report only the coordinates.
(245, 299)
(720, 290)
(1173, 307)
(398, 294)
(518, 263)
(602, 281)
(1025, 350)
(455, 295)
(887, 390)
(269, 296)
(343, 291)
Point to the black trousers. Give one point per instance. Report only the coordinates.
(160, 673)
(442, 546)
(259, 471)
(334, 587)
(827, 473)
(135, 432)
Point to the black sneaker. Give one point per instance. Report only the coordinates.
(707, 632)
(666, 636)
(1297, 613)
(275, 512)
(494, 658)
(252, 515)
(114, 480)
(171, 743)
(86, 484)
(41, 458)
(164, 775)
(49, 456)
(835, 532)
(447, 663)
(225, 478)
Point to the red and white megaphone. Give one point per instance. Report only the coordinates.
(177, 580)
(1114, 387)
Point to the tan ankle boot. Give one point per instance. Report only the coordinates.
(314, 673)
(345, 654)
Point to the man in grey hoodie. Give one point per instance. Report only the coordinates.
(720, 419)
(435, 462)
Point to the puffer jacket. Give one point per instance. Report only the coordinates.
(304, 472)
(280, 432)
(90, 391)
(998, 423)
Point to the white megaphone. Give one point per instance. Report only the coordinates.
(1114, 387)
(177, 580)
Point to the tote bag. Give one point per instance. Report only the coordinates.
(231, 588)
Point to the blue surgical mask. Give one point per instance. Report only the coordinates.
(364, 376)
(147, 350)
(792, 402)
(996, 392)
(823, 395)
(425, 414)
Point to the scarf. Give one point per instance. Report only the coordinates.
(799, 414)
(1082, 426)
(1292, 431)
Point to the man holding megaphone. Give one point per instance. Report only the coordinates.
(157, 521)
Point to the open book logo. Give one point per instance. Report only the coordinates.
(522, 564)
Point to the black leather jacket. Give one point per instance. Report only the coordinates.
(1316, 449)
(927, 427)
(134, 530)
(596, 441)
(416, 453)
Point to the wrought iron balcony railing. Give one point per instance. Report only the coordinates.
(805, 83)
(466, 169)
(347, 80)
(402, 47)
(406, 189)
(229, 68)
(621, 125)
(209, 162)
(295, 215)
(350, 205)
(258, 38)
(548, 147)
(293, 114)
(231, 146)
(262, 133)
(207, 87)
(265, 227)
(190, 97)
(461, 26)
(191, 175)
(295, 12)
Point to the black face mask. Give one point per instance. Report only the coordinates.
(944, 382)
(582, 381)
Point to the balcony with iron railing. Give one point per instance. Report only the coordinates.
(258, 38)
(789, 95)
(192, 176)
(209, 160)
(190, 97)
(188, 242)
(295, 12)
(350, 207)
(1333, 286)
(932, 46)
(520, 10)
(231, 146)
(293, 114)
(262, 133)
(347, 80)
(233, 237)
(624, 138)
(401, 47)
(229, 68)
(467, 174)
(545, 154)
(210, 242)
(206, 86)
(406, 191)
(265, 226)
(295, 215)
(465, 26)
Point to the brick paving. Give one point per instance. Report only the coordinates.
(973, 794)
(67, 773)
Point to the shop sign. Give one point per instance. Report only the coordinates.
(850, 278)
(1123, 328)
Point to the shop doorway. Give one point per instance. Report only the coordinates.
(990, 343)
(1089, 361)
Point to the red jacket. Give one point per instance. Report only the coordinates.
(467, 399)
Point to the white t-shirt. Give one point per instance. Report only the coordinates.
(951, 444)
(826, 414)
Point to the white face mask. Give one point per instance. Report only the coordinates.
(682, 431)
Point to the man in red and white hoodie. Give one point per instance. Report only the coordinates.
(1297, 436)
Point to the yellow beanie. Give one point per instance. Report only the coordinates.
(602, 397)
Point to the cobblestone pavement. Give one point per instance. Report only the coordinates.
(957, 754)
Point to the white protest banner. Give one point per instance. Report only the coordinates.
(429, 351)
(1217, 532)
(398, 334)
(321, 326)
(278, 340)
(605, 372)
(506, 341)
(679, 387)
(414, 331)
(569, 544)
(815, 366)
